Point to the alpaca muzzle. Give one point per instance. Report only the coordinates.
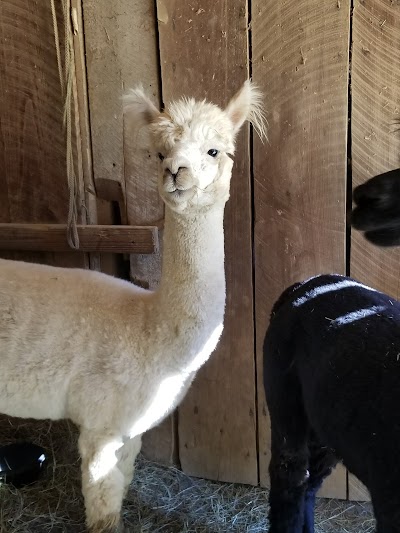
(182, 180)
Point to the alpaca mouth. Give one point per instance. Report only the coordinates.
(180, 193)
(177, 190)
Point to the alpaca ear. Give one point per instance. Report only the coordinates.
(247, 104)
(138, 107)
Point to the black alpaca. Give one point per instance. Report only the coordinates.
(332, 383)
(377, 210)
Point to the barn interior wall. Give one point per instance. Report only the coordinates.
(331, 80)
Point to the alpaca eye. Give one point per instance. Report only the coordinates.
(160, 157)
(212, 152)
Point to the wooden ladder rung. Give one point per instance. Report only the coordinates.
(92, 238)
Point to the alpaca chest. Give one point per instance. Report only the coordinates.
(158, 402)
(176, 352)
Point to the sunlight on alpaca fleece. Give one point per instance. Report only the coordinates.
(106, 461)
(169, 388)
(172, 386)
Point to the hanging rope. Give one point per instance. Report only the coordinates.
(66, 84)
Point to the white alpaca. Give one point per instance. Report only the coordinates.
(112, 357)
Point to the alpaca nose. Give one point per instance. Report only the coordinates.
(175, 164)
(174, 175)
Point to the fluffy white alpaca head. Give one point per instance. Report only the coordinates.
(194, 141)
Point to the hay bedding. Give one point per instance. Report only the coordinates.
(161, 500)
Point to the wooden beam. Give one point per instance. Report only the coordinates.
(52, 238)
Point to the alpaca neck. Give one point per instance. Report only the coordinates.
(193, 259)
(191, 296)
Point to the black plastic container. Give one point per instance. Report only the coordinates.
(21, 463)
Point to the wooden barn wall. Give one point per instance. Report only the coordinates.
(375, 136)
(286, 218)
(33, 182)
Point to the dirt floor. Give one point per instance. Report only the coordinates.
(160, 500)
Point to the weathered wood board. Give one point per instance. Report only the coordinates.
(204, 53)
(375, 79)
(33, 182)
(92, 238)
(300, 60)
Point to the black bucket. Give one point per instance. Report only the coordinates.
(21, 463)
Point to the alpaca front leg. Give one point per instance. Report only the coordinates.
(289, 450)
(126, 459)
(288, 475)
(322, 461)
(102, 481)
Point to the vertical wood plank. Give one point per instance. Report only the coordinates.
(82, 118)
(82, 124)
(300, 60)
(204, 53)
(33, 182)
(375, 146)
(103, 22)
(122, 51)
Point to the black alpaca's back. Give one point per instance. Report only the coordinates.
(332, 382)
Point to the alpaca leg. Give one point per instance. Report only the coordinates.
(289, 459)
(102, 481)
(321, 462)
(288, 474)
(126, 460)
